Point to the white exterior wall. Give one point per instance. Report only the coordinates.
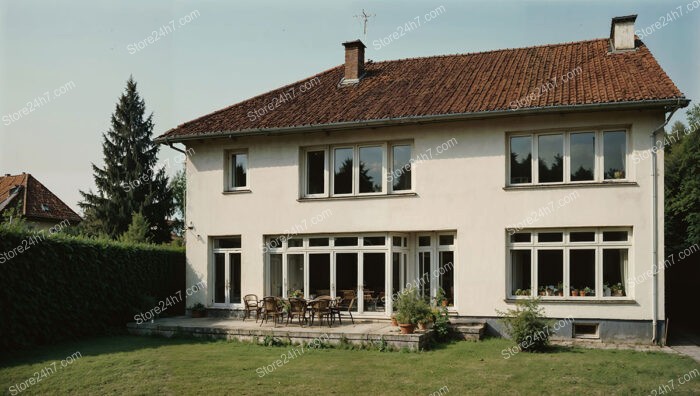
(461, 189)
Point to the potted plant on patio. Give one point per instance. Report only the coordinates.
(394, 322)
(198, 310)
(410, 308)
(295, 293)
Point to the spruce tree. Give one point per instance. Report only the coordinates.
(138, 231)
(129, 182)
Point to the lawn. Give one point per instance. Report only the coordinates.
(149, 365)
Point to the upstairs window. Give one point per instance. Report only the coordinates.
(355, 170)
(315, 172)
(568, 157)
(238, 171)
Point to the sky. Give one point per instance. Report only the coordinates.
(71, 59)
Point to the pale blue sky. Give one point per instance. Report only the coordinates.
(236, 49)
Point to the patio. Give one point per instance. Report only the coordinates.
(363, 331)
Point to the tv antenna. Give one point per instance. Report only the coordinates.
(365, 17)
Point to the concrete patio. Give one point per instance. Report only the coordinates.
(363, 331)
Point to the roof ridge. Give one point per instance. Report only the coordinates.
(491, 51)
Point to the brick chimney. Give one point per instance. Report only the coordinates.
(622, 33)
(354, 61)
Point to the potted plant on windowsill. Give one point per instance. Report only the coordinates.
(588, 291)
(618, 290)
(574, 292)
(607, 292)
(559, 291)
(295, 293)
(198, 310)
(541, 291)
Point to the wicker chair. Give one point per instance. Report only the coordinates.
(270, 308)
(297, 309)
(343, 306)
(320, 308)
(251, 304)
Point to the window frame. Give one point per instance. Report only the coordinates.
(329, 170)
(227, 275)
(230, 172)
(599, 158)
(305, 172)
(566, 246)
(390, 167)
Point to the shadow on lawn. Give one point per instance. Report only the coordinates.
(93, 346)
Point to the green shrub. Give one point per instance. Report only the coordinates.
(441, 326)
(410, 307)
(527, 325)
(61, 287)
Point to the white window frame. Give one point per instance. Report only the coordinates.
(227, 275)
(329, 172)
(599, 171)
(356, 169)
(566, 246)
(231, 172)
(305, 172)
(332, 171)
(390, 167)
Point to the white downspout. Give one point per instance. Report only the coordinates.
(655, 228)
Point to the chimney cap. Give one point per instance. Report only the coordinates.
(626, 18)
(355, 43)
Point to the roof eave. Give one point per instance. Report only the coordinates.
(385, 122)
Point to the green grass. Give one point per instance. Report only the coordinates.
(149, 365)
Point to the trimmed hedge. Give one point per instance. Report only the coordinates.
(63, 288)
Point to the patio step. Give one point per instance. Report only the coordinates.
(469, 331)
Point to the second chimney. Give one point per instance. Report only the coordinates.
(354, 61)
(622, 33)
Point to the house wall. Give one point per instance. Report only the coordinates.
(461, 189)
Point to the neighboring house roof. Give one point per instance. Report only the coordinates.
(38, 202)
(478, 83)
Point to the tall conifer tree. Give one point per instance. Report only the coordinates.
(129, 182)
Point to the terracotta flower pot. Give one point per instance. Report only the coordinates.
(582, 293)
(574, 292)
(199, 314)
(406, 328)
(618, 293)
(394, 322)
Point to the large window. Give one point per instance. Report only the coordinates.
(355, 170)
(569, 264)
(238, 171)
(367, 270)
(568, 157)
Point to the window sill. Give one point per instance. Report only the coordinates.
(571, 185)
(241, 191)
(374, 196)
(579, 300)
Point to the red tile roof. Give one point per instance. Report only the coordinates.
(452, 84)
(38, 202)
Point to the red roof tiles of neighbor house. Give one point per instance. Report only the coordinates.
(38, 202)
(579, 73)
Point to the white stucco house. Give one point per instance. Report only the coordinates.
(495, 176)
